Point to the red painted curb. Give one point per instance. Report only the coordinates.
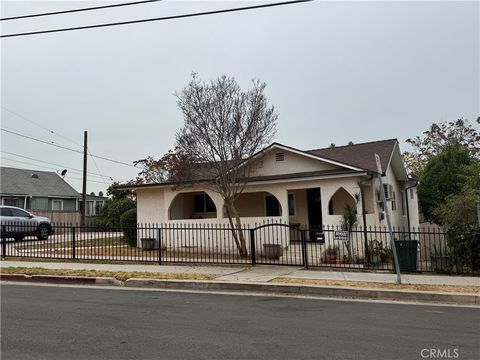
(51, 279)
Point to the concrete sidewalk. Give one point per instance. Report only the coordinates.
(255, 274)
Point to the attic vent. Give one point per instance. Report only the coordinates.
(280, 156)
(34, 176)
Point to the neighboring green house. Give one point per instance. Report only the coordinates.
(35, 190)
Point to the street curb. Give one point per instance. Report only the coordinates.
(308, 290)
(57, 279)
(257, 288)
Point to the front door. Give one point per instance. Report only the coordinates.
(314, 205)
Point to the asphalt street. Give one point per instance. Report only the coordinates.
(51, 322)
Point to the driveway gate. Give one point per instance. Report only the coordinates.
(278, 244)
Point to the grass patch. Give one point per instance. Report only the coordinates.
(108, 241)
(119, 262)
(119, 275)
(378, 285)
(121, 250)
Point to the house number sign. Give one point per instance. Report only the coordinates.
(341, 235)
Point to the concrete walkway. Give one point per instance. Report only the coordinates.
(255, 274)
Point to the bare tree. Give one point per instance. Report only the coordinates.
(224, 127)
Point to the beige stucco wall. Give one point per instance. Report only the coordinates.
(293, 163)
(340, 199)
(154, 203)
(150, 206)
(252, 204)
(412, 199)
(301, 211)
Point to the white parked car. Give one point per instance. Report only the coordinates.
(17, 223)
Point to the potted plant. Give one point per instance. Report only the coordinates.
(272, 251)
(375, 250)
(331, 253)
(386, 254)
(148, 243)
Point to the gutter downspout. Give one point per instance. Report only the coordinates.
(364, 218)
(406, 204)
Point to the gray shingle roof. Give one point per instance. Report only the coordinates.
(20, 182)
(360, 155)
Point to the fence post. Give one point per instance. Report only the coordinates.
(304, 250)
(4, 241)
(73, 243)
(252, 247)
(159, 246)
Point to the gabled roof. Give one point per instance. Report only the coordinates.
(307, 154)
(360, 155)
(15, 181)
(356, 158)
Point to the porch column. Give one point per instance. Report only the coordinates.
(326, 193)
(218, 201)
(282, 197)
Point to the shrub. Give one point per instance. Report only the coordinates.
(128, 223)
(109, 216)
(464, 247)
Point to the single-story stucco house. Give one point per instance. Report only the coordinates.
(303, 188)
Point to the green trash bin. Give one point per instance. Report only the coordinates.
(407, 255)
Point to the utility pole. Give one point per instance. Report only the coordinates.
(84, 188)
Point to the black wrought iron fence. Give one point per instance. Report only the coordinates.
(419, 250)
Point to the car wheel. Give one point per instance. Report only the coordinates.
(42, 232)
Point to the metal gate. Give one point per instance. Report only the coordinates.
(278, 244)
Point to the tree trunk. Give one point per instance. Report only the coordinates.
(237, 232)
(348, 244)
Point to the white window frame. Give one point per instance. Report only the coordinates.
(393, 201)
(12, 198)
(91, 213)
(204, 194)
(61, 204)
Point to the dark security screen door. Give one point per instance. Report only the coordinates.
(314, 204)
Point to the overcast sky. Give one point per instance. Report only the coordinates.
(336, 72)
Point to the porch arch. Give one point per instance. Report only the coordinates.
(192, 205)
(338, 201)
(258, 204)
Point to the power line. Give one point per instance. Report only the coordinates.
(95, 163)
(58, 134)
(65, 147)
(156, 19)
(40, 126)
(62, 166)
(77, 10)
(40, 140)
